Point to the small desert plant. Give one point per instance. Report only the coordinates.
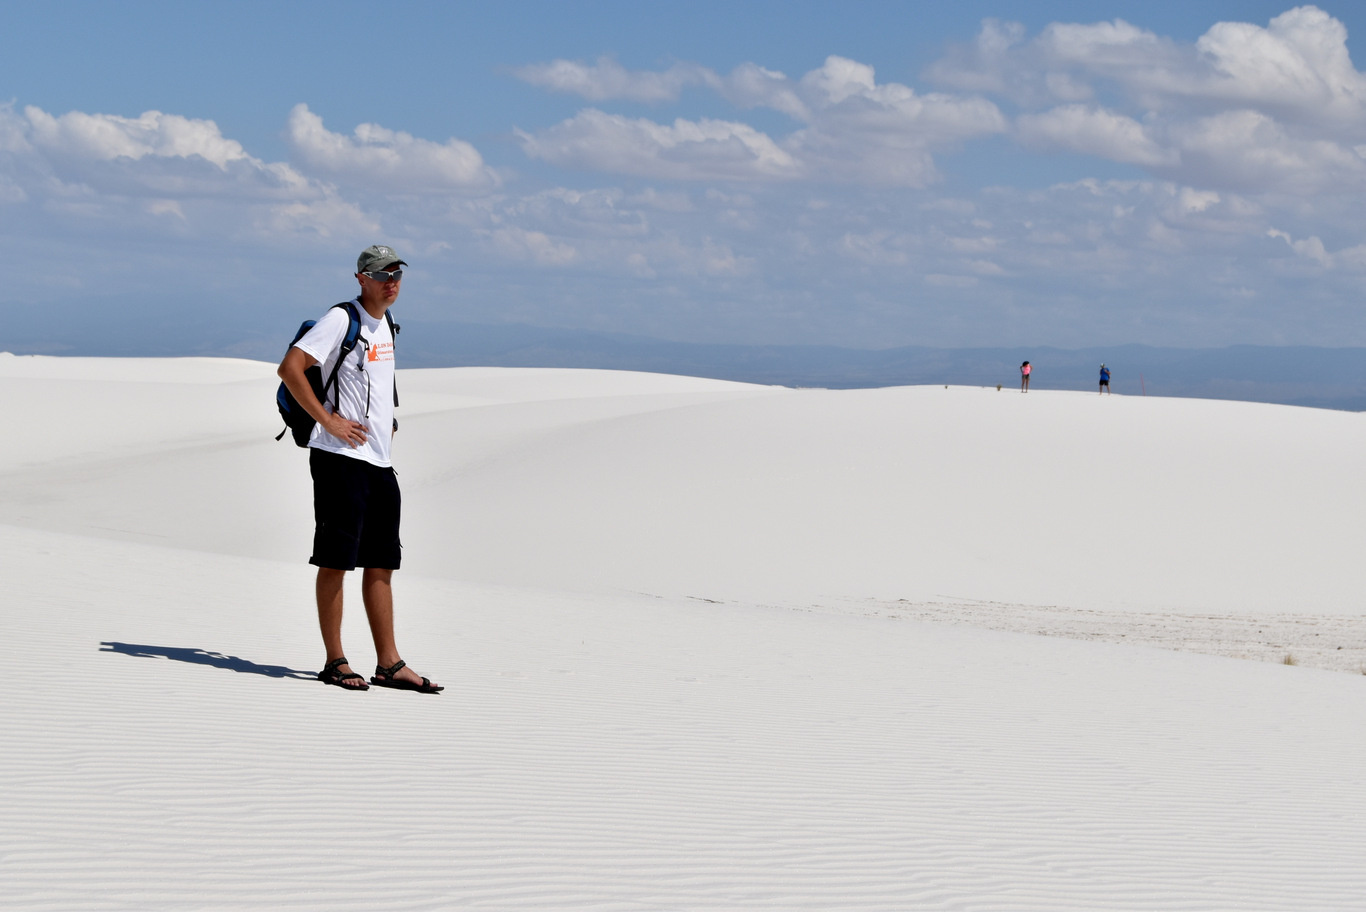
(1289, 660)
(998, 387)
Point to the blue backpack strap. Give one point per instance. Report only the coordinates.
(348, 342)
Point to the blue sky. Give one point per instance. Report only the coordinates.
(868, 174)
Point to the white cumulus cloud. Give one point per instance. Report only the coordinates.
(1094, 131)
(1249, 149)
(752, 86)
(538, 247)
(882, 134)
(329, 217)
(1279, 108)
(851, 129)
(105, 137)
(153, 155)
(1310, 248)
(387, 161)
(702, 149)
(1298, 66)
(606, 79)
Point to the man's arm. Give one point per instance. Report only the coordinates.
(291, 371)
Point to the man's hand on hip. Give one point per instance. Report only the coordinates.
(345, 429)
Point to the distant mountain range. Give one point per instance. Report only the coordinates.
(1294, 375)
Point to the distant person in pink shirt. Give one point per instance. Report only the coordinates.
(1025, 370)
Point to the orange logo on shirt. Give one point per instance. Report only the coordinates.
(384, 351)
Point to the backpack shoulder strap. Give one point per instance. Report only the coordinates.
(393, 334)
(348, 344)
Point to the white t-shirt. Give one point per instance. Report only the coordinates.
(365, 382)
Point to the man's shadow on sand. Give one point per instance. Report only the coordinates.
(201, 657)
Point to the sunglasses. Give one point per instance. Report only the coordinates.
(380, 276)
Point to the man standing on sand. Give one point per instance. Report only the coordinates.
(1104, 379)
(356, 499)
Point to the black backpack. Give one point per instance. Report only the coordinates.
(297, 419)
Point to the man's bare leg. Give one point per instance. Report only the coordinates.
(377, 591)
(329, 592)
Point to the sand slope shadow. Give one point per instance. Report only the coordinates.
(203, 657)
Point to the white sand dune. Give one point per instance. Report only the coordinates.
(694, 640)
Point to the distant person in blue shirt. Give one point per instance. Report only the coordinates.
(1105, 379)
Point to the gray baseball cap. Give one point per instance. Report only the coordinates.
(377, 257)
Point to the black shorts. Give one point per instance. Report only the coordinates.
(356, 509)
